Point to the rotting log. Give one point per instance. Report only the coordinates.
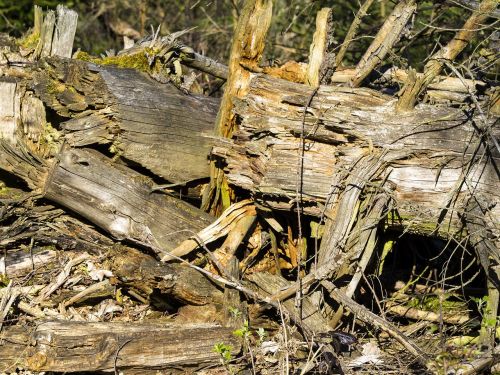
(118, 200)
(425, 147)
(425, 152)
(153, 125)
(145, 275)
(66, 346)
(112, 196)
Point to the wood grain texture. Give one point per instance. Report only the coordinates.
(65, 346)
(427, 151)
(151, 124)
(119, 200)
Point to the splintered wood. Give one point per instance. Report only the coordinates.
(112, 264)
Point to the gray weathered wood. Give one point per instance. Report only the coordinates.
(66, 346)
(154, 125)
(64, 32)
(426, 151)
(119, 200)
(9, 109)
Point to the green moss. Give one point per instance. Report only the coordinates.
(416, 226)
(138, 61)
(29, 41)
(4, 281)
(432, 303)
(3, 189)
(54, 87)
(50, 139)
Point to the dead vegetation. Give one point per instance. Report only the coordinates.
(311, 220)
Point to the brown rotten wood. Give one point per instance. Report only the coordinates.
(144, 274)
(66, 346)
(309, 314)
(133, 270)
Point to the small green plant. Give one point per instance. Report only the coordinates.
(224, 351)
(235, 312)
(262, 335)
(243, 332)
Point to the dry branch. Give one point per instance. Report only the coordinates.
(388, 35)
(321, 58)
(416, 84)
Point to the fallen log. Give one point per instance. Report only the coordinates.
(151, 124)
(112, 196)
(424, 161)
(425, 152)
(65, 346)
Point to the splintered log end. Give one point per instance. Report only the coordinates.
(62, 44)
(57, 33)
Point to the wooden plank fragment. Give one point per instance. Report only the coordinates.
(10, 93)
(66, 346)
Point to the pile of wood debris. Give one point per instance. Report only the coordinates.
(278, 229)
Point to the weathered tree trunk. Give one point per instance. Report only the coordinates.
(112, 196)
(427, 152)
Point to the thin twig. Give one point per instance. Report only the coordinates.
(116, 355)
